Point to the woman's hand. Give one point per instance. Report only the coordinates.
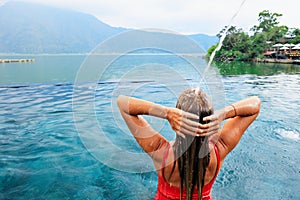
(213, 122)
(184, 123)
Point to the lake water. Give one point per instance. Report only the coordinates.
(62, 137)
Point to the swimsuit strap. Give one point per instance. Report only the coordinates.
(218, 161)
(218, 167)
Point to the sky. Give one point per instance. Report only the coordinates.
(182, 16)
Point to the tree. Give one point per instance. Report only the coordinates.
(240, 46)
(258, 44)
(277, 32)
(267, 30)
(295, 32)
(235, 46)
(267, 21)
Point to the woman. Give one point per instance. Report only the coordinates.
(188, 167)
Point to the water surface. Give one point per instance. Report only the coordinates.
(43, 157)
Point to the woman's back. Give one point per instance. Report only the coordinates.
(169, 179)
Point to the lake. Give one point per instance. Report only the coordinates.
(62, 136)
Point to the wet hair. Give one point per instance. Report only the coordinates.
(192, 153)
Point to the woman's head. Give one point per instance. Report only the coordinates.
(195, 101)
(192, 153)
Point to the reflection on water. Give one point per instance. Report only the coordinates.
(261, 69)
(64, 68)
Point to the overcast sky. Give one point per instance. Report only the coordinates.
(183, 16)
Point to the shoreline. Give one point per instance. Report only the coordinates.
(274, 60)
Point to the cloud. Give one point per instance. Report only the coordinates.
(189, 16)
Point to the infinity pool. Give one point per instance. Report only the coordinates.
(45, 152)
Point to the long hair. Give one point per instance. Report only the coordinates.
(192, 153)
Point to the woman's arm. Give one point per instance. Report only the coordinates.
(131, 110)
(151, 141)
(240, 115)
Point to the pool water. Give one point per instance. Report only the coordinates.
(43, 154)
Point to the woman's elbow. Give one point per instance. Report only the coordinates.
(256, 104)
(120, 101)
(123, 103)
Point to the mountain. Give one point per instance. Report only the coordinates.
(203, 40)
(35, 28)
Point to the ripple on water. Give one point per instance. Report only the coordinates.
(288, 134)
(43, 156)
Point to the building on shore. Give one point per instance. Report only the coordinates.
(283, 51)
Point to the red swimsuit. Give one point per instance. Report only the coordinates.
(166, 192)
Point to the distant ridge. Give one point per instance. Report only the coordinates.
(35, 28)
(203, 40)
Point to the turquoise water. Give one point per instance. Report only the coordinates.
(43, 154)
